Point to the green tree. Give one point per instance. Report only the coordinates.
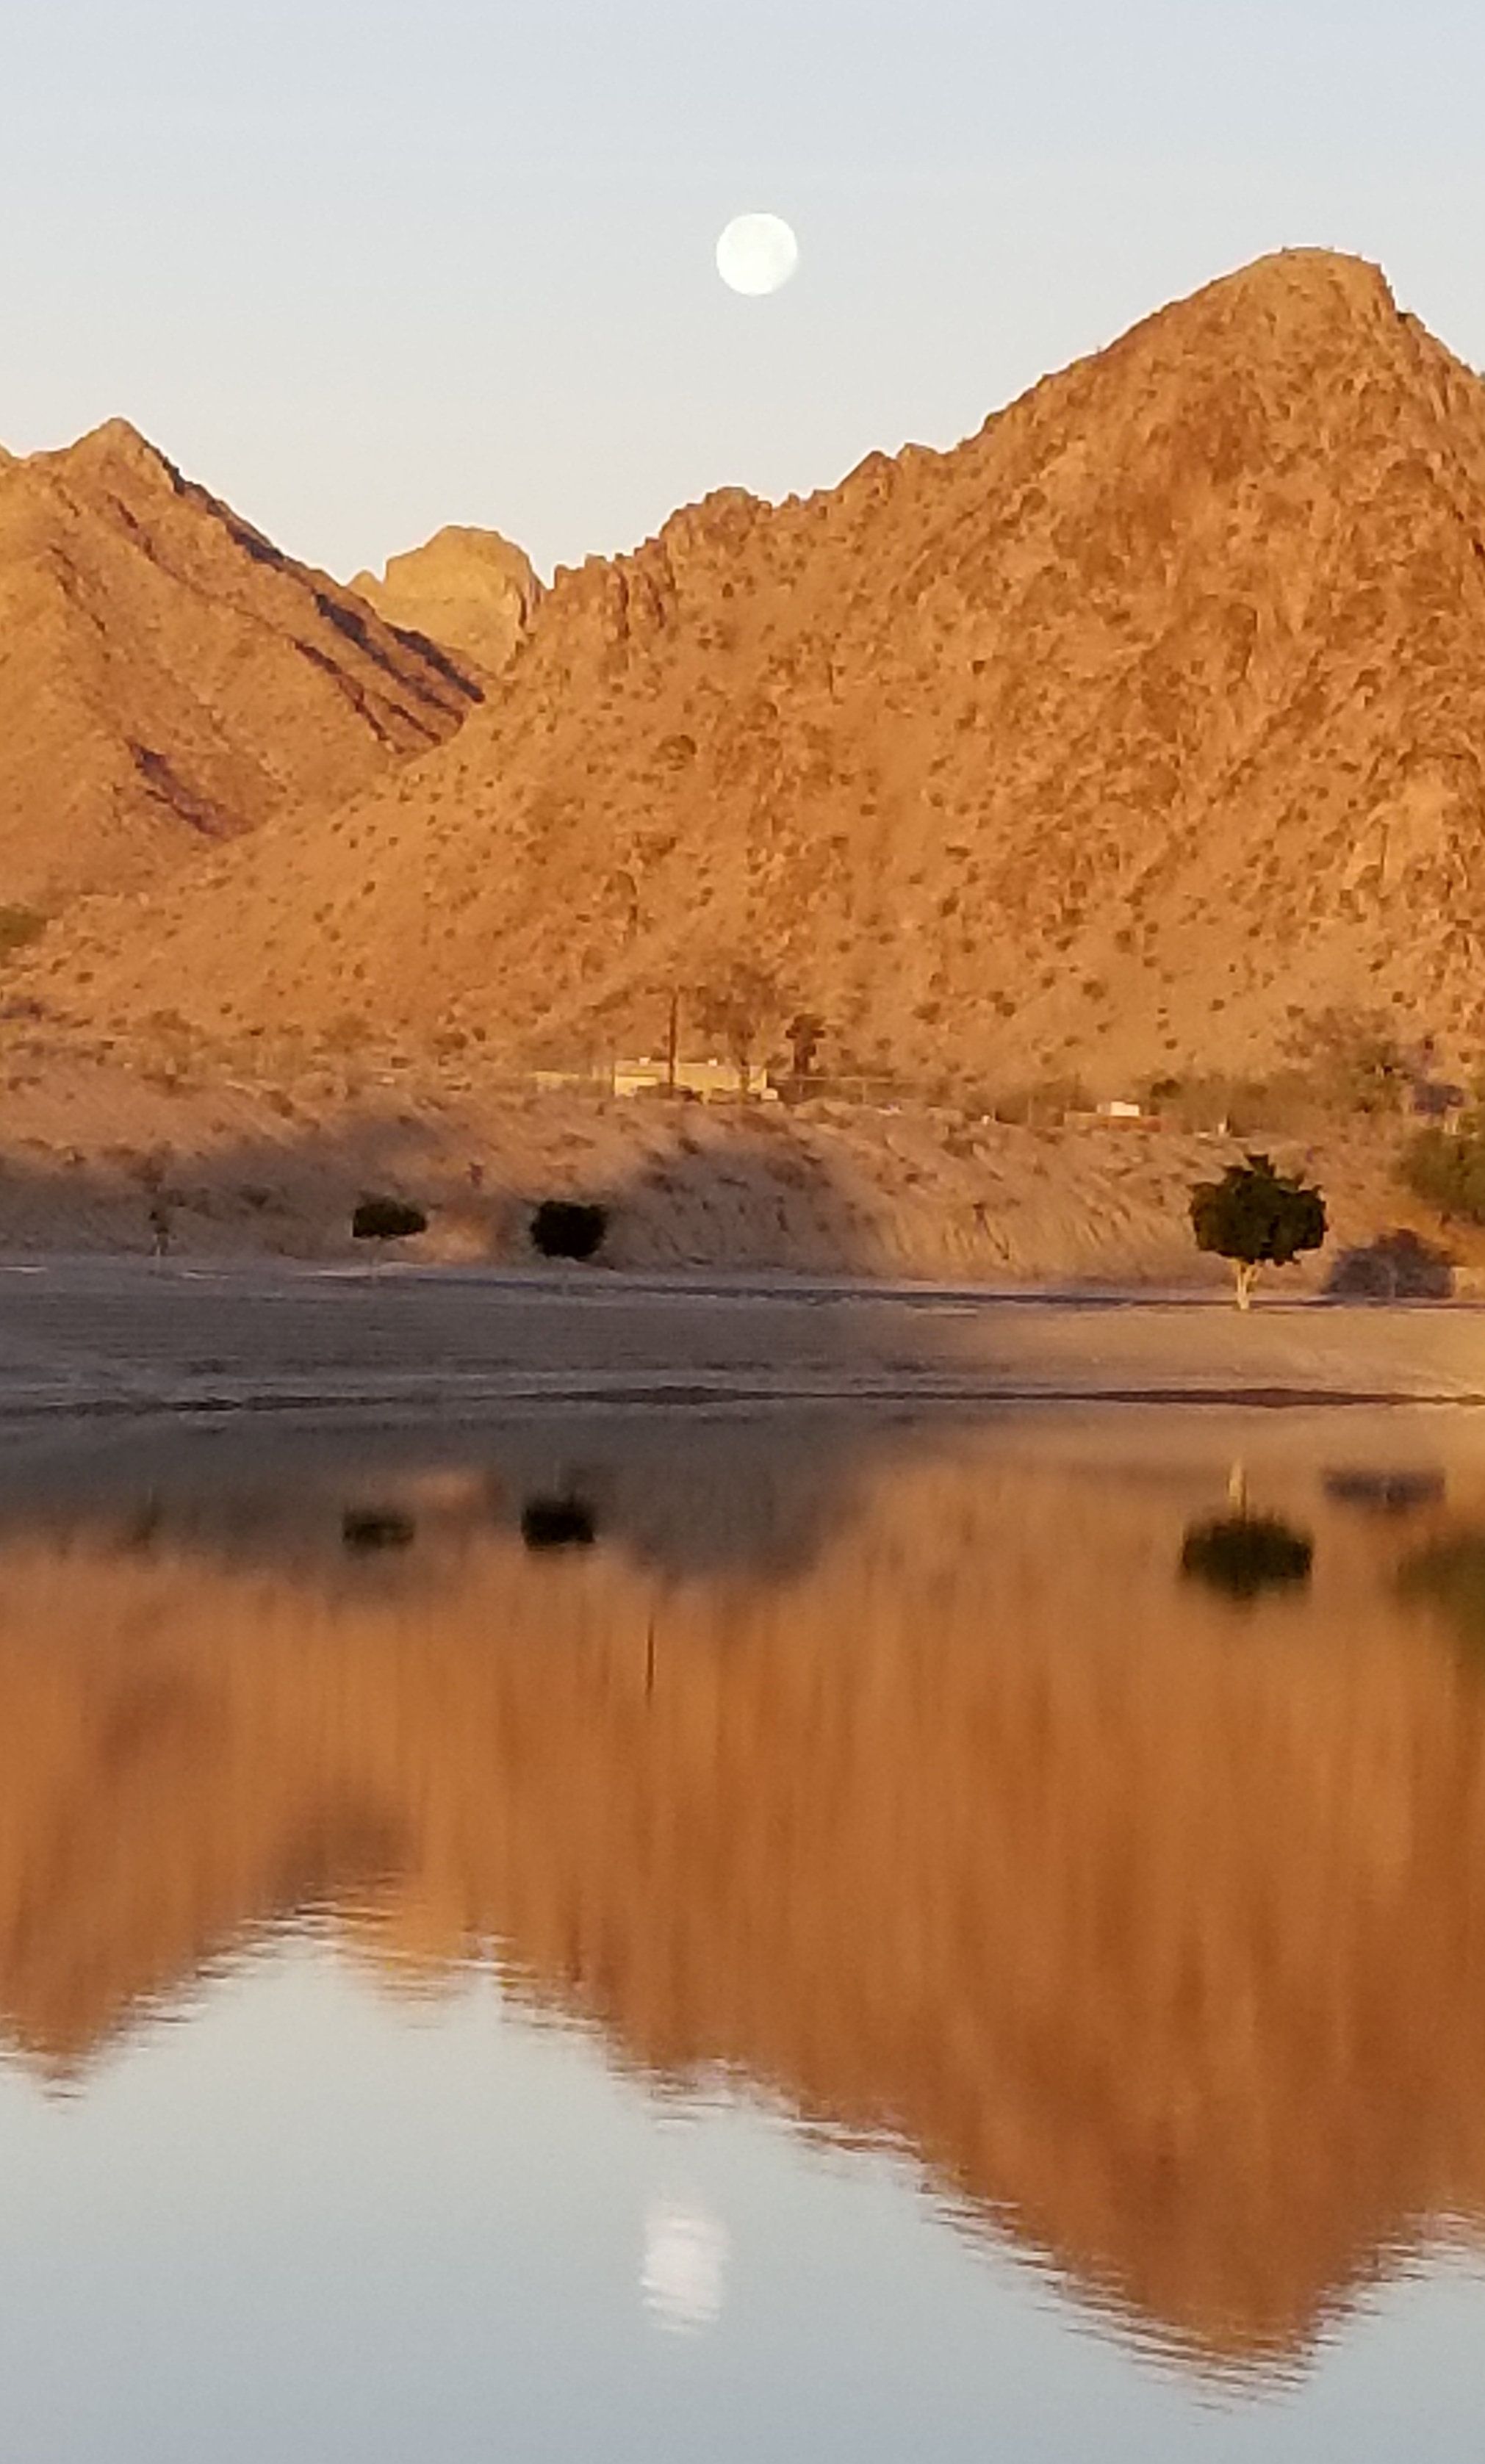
(1445, 1168)
(386, 1218)
(569, 1227)
(18, 927)
(804, 1034)
(1450, 1574)
(1257, 1216)
(1354, 1062)
(735, 1006)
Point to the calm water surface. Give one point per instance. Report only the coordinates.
(745, 1937)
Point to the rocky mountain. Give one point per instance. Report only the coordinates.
(168, 677)
(1126, 738)
(469, 590)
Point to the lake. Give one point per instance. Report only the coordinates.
(860, 1934)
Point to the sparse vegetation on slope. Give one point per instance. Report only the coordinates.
(469, 590)
(1111, 746)
(171, 679)
(1445, 1168)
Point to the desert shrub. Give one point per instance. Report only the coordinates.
(19, 927)
(1445, 1168)
(1243, 1555)
(559, 1522)
(161, 1220)
(734, 1004)
(148, 1170)
(1385, 1492)
(1343, 1063)
(1257, 1216)
(1207, 1100)
(569, 1227)
(1289, 1102)
(1398, 1265)
(1356, 1061)
(386, 1218)
(1292, 1102)
(804, 1035)
(366, 1529)
(1045, 1103)
(1451, 1577)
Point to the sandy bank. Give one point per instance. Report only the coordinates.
(253, 1167)
(123, 1335)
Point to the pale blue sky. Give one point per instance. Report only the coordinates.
(365, 267)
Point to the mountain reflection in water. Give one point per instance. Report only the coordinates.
(898, 1770)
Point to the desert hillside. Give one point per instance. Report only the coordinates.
(247, 1162)
(469, 590)
(1122, 739)
(167, 677)
(938, 1806)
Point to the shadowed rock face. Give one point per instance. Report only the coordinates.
(1155, 1925)
(170, 678)
(1107, 741)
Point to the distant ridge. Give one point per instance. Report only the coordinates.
(470, 590)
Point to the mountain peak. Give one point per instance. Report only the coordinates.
(1318, 273)
(171, 678)
(1290, 293)
(114, 443)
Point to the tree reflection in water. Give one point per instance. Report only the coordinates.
(1244, 1555)
(1449, 1576)
(559, 1522)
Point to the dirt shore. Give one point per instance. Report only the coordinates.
(91, 1152)
(114, 1335)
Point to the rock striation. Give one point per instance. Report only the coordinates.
(169, 678)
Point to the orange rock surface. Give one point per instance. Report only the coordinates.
(168, 678)
(470, 590)
(1125, 737)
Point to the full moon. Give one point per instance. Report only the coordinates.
(756, 253)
